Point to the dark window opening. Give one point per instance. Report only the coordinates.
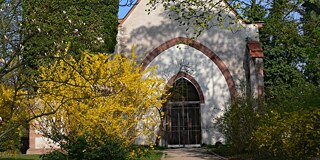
(183, 114)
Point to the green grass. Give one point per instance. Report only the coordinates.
(155, 155)
(19, 157)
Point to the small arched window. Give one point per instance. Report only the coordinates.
(183, 90)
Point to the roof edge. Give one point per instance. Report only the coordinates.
(244, 21)
(128, 14)
(238, 16)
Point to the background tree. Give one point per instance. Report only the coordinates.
(290, 51)
(311, 30)
(10, 37)
(12, 110)
(30, 31)
(50, 25)
(290, 41)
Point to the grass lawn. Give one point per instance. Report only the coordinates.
(151, 156)
(155, 155)
(19, 157)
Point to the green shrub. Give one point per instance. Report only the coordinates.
(55, 155)
(294, 135)
(85, 148)
(238, 124)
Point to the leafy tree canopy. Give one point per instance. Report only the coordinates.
(50, 25)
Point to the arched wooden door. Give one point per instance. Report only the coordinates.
(183, 115)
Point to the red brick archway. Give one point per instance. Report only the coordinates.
(202, 48)
(191, 79)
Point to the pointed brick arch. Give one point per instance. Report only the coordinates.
(189, 78)
(202, 48)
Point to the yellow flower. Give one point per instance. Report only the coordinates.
(99, 94)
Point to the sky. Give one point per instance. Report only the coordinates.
(123, 11)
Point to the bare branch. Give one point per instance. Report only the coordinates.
(127, 3)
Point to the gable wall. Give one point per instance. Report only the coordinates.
(147, 32)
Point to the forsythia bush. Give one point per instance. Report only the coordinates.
(294, 135)
(98, 96)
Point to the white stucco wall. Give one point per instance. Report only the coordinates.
(207, 74)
